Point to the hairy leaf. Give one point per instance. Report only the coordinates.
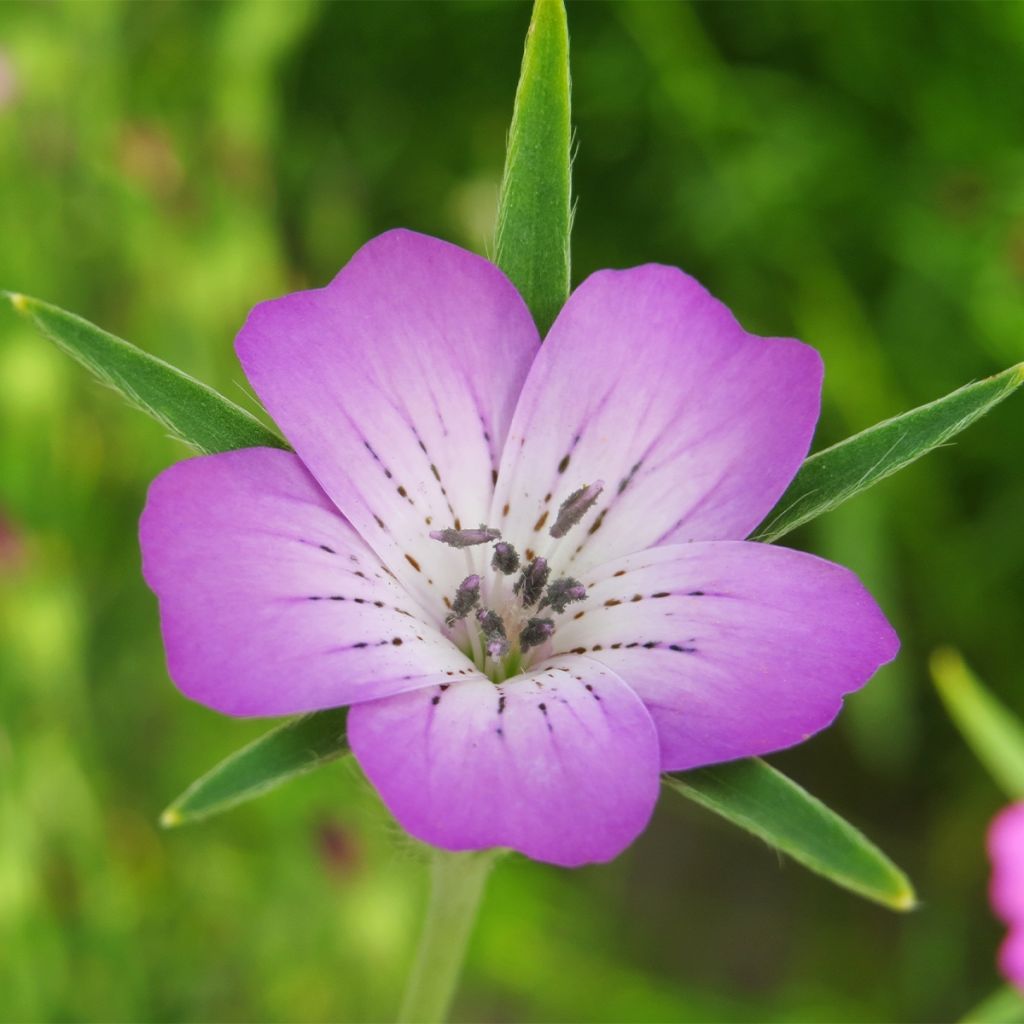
(830, 477)
(298, 746)
(763, 801)
(535, 205)
(191, 411)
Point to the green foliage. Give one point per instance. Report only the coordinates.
(761, 800)
(291, 749)
(1004, 1006)
(835, 475)
(994, 733)
(845, 174)
(193, 412)
(535, 207)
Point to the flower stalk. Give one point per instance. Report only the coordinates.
(457, 882)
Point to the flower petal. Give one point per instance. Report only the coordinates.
(560, 764)
(396, 384)
(735, 648)
(270, 602)
(1006, 851)
(648, 383)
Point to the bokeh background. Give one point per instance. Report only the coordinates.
(849, 174)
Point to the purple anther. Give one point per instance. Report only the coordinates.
(465, 538)
(535, 632)
(532, 581)
(466, 599)
(575, 507)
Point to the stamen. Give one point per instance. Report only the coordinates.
(506, 558)
(532, 581)
(562, 592)
(575, 507)
(465, 538)
(535, 632)
(493, 629)
(466, 599)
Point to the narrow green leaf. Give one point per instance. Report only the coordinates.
(191, 411)
(834, 475)
(535, 205)
(994, 733)
(761, 800)
(294, 748)
(1004, 1006)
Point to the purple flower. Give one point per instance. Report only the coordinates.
(1006, 849)
(585, 502)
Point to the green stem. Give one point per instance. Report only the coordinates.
(457, 883)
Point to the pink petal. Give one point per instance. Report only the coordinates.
(560, 764)
(1006, 851)
(396, 384)
(649, 384)
(270, 602)
(1011, 957)
(735, 648)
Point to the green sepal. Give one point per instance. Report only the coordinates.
(193, 412)
(836, 474)
(294, 748)
(763, 801)
(532, 241)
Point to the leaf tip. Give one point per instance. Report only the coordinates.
(171, 818)
(17, 300)
(947, 667)
(906, 899)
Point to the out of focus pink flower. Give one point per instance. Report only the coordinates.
(1006, 891)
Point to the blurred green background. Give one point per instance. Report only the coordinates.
(849, 174)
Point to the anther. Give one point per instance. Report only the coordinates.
(466, 599)
(532, 581)
(493, 628)
(562, 592)
(535, 632)
(506, 558)
(465, 538)
(575, 507)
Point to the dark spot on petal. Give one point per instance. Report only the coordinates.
(458, 523)
(662, 593)
(579, 650)
(494, 476)
(621, 572)
(397, 641)
(330, 551)
(539, 525)
(696, 593)
(435, 699)
(433, 469)
(579, 615)
(612, 602)
(596, 525)
(564, 464)
(637, 597)
(380, 522)
(650, 644)
(412, 561)
(403, 492)
(530, 554)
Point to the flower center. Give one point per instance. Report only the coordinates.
(507, 630)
